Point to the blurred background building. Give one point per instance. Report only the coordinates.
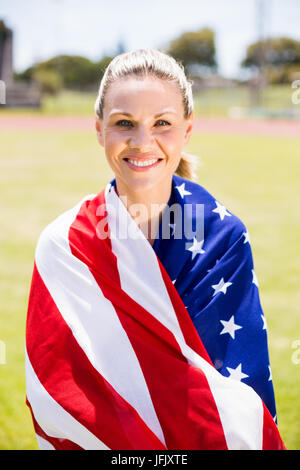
(19, 94)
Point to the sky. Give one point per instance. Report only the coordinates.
(93, 28)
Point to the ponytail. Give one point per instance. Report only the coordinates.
(187, 166)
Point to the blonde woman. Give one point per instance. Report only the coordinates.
(144, 328)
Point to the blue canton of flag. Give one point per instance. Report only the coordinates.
(216, 281)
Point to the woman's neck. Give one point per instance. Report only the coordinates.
(146, 206)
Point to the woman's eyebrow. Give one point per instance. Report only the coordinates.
(165, 111)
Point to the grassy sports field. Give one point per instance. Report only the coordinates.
(43, 173)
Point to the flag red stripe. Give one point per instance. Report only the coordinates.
(271, 436)
(180, 393)
(58, 444)
(68, 376)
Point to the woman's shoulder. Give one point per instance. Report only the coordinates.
(217, 216)
(55, 233)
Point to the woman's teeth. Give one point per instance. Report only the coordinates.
(144, 163)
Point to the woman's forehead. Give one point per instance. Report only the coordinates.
(136, 92)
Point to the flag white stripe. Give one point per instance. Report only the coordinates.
(43, 444)
(92, 318)
(54, 420)
(141, 278)
(138, 268)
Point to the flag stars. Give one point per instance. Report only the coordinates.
(172, 226)
(221, 210)
(230, 327)
(214, 266)
(221, 287)
(254, 278)
(237, 374)
(264, 322)
(182, 191)
(247, 237)
(196, 248)
(270, 374)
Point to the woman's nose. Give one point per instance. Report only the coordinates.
(141, 137)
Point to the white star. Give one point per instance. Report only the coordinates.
(229, 327)
(196, 248)
(221, 287)
(270, 376)
(237, 373)
(254, 280)
(264, 322)
(172, 226)
(247, 237)
(108, 188)
(174, 281)
(221, 210)
(213, 266)
(182, 190)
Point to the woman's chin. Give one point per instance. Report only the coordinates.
(143, 184)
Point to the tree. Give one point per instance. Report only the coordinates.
(280, 58)
(74, 71)
(49, 81)
(195, 48)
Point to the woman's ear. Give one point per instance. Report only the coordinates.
(189, 127)
(99, 130)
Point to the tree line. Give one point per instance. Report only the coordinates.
(278, 59)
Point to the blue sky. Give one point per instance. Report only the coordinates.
(92, 28)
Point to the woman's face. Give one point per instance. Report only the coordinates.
(143, 132)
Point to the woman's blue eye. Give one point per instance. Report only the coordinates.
(165, 122)
(123, 120)
(160, 122)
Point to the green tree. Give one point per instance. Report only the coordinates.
(195, 48)
(279, 57)
(73, 71)
(49, 81)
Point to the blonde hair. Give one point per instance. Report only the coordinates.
(143, 62)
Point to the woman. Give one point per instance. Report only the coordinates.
(144, 327)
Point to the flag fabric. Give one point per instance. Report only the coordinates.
(115, 358)
(219, 287)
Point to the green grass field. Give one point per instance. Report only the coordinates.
(46, 172)
(208, 102)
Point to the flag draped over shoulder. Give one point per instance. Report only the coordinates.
(216, 281)
(114, 358)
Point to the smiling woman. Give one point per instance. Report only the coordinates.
(152, 131)
(144, 150)
(141, 339)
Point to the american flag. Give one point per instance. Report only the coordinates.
(130, 346)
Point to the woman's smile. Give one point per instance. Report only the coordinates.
(139, 164)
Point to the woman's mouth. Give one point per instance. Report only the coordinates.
(142, 165)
